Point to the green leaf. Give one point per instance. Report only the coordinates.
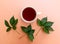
(44, 20)
(29, 27)
(14, 27)
(12, 21)
(8, 29)
(28, 30)
(45, 25)
(46, 30)
(39, 22)
(31, 32)
(31, 37)
(16, 21)
(48, 24)
(24, 29)
(7, 24)
(51, 29)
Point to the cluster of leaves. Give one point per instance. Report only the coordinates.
(46, 25)
(13, 23)
(29, 31)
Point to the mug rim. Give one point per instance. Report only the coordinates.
(26, 20)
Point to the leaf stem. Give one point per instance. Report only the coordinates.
(38, 31)
(17, 32)
(21, 36)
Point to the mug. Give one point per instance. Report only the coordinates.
(29, 14)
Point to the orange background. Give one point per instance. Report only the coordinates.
(49, 8)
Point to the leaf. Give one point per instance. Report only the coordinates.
(48, 24)
(39, 22)
(7, 24)
(45, 25)
(46, 30)
(31, 37)
(8, 29)
(28, 30)
(24, 29)
(31, 32)
(16, 21)
(13, 23)
(12, 20)
(44, 20)
(29, 27)
(14, 27)
(51, 29)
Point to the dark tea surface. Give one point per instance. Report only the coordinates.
(29, 14)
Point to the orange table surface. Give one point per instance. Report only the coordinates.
(49, 8)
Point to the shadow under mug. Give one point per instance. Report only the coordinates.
(29, 14)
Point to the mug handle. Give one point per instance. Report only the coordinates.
(38, 13)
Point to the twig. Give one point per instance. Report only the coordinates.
(21, 36)
(38, 31)
(17, 32)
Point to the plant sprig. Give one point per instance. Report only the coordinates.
(45, 25)
(13, 22)
(29, 31)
